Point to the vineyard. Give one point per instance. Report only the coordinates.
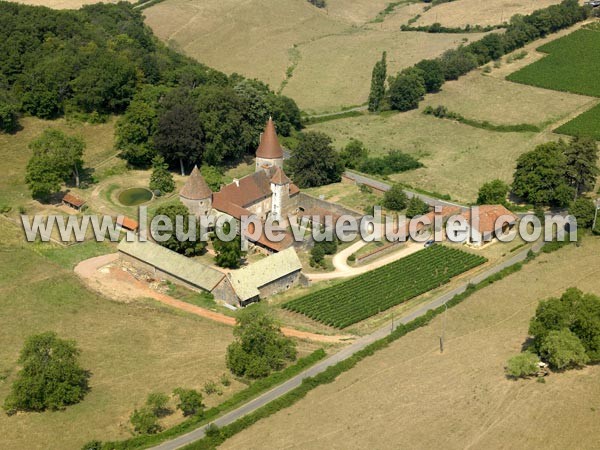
(572, 65)
(584, 125)
(368, 294)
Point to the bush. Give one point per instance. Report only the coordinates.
(493, 192)
(50, 378)
(563, 350)
(584, 211)
(144, 421)
(260, 347)
(157, 403)
(416, 207)
(225, 381)
(523, 365)
(210, 387)
(190, 401)
(317, 256)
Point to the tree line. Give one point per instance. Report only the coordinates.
(103, 60)
(406, 89)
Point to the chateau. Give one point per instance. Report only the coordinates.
(267, 193)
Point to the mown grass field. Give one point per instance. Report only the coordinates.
(64, 4)
(373, 292)
(131, 349)
(572, 65)
(586, 124)
(409, 393)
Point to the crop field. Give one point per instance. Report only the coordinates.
(411, 395)
(572, 65)
(321, 58)
(586, 125)
(368, 294)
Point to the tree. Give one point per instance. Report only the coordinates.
(395, 198)
(353, 154)
(416, 207)
(56, 158)
(179, 134)
(433, 74)
(161, 179)
(378, 84)
(407, 90)
(260, 347)
(492, 193)
(523, 365)
(213, 177)
(50, 377)
(229, 253)
(582, 164)
(157, 403)
(314, 162)
(185, 247)
(456, 63)
(540, 177)
(574, 311)
(563, 350)
(144, 421)
(190, 401)
(584, 211)
(9, 114)
(317, 256)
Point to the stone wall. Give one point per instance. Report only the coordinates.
(281, 284)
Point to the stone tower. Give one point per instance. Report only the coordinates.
(269, 153)
(280, 186)
(196, 194)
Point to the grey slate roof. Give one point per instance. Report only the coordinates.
(173, 263)
(247, 280)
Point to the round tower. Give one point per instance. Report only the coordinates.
(269, 153)
(196, 194)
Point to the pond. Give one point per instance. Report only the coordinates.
(135, 196)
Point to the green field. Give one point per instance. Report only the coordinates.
(572, 65)
(586, 124)
(368, 294)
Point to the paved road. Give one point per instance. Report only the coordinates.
(342, 355)
(380, 185)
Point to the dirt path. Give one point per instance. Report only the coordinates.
(102, 275)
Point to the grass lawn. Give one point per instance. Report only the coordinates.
(131, 349)
(458, 158)
(464, 390)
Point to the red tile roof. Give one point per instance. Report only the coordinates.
(195, 187)
(488, 215)
(127, 223)
(279, 176)
(269, 147)
(73, 200)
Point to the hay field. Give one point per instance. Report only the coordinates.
(330, 52)
(251, 37)
(411, 394)
(336, 70)
(490, 97)
(460, 13)
(131, 349)
(458, 158)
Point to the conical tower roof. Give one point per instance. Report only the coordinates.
(195, 187)
(269, 147)
(279, 176)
